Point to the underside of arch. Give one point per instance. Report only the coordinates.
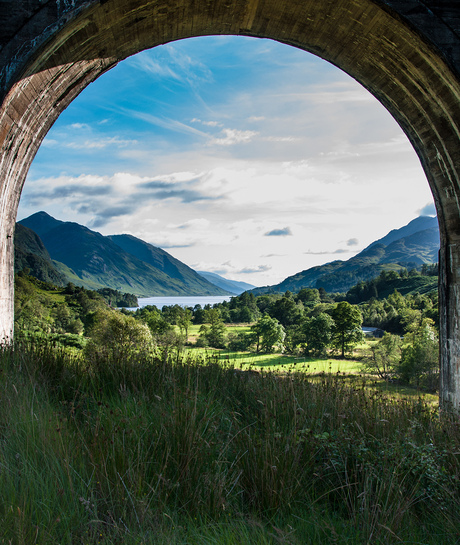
(400, 67)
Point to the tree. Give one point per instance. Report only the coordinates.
(117, 336)
(286, 311)
(156, 321)
(386, 355)
(214, 333)
(184, 321)
(198, 314)
(309, 297)
(347, 329)
(318, 332)
(420, 358)
(268, 333)
(239, 342)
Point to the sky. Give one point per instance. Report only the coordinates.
(239, 156)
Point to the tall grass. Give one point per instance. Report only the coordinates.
(183, 451)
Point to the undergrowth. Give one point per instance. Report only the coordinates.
(143, 451)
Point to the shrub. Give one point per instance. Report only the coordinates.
(117, 336)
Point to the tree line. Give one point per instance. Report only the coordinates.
(311, 322)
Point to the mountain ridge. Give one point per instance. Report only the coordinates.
(409, 246)
(96, 261)
(233, 286)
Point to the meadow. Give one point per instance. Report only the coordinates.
(211, 450)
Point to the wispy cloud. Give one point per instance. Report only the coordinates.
(333, 252)
(155, 67)
(253, 270)
(101, 143)
(233, 136)
(79, 126)
(166, 123)
(207, 123)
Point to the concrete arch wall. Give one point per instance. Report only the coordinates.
(405, 54)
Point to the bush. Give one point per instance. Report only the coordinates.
(117, 336)
(239, 342)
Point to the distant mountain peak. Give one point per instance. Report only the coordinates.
(421, 223)
(41, 223)
(232, 286)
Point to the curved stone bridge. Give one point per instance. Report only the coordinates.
(405, 52)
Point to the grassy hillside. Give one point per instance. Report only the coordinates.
(161, 260)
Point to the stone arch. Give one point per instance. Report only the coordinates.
(63, 45)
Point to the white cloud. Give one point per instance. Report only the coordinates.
(79, 126)
(166, 123)
(233, 136)
(207, 123)
(101, 143)
(50, 143)
(153, 67)
(280, 138)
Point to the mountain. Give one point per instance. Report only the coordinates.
(161, 260)
(231, 286)
(410, 246)
(422, 223)
(30, 253)
(95, 261)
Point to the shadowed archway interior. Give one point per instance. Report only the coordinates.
(63, 48)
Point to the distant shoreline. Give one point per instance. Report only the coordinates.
(183, 301)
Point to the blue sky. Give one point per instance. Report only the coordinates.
(239, 156)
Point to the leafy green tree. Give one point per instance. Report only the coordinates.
(171, 312)
(347, 329)
(184, 321)
(117, 336)
(318, 333)
(309, 296)
(268, 333)
(31, 312)
(198, 314)
(75, 327)
(420, 357)
(156, 321)
(286, 310)
(294, 338)
(168, 344)
(386, 355)
(62, 317)
(214, 331)
(242, 315)
(239, 342)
